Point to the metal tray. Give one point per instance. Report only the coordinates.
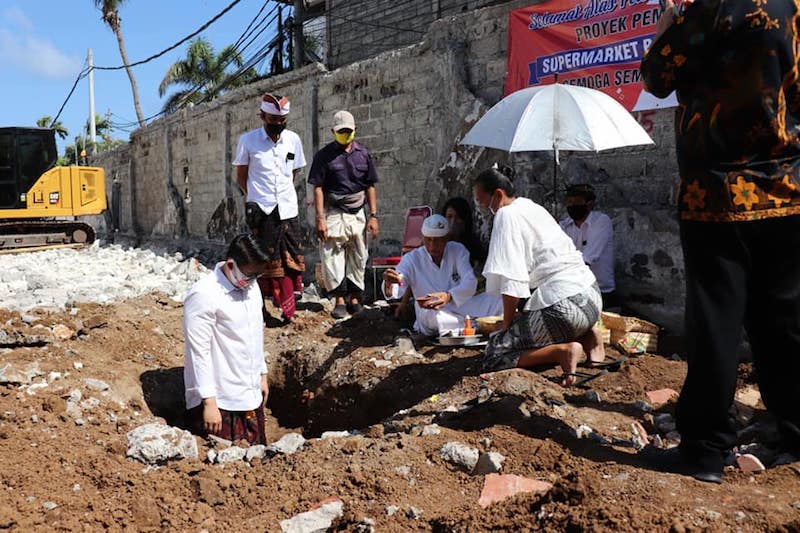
(459, 340)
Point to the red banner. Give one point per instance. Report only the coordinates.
(592, 43)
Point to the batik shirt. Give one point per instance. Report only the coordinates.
(734, 65)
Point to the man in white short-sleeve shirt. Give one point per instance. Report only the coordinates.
(593, 235)
(267, 161)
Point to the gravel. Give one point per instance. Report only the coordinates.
(100, 274)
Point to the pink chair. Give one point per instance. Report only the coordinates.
(412, 238)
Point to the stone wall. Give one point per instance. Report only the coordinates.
(360, 29)
(412, 105)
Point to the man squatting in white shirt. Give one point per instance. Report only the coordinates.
(441, 274)
(225, 373)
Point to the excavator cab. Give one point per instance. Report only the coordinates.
(36, 196)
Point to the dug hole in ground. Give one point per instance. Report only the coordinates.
(393, 438)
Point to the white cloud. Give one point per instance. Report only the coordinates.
(20, 46)
(16, 16)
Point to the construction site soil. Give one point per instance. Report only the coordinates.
(61, 473)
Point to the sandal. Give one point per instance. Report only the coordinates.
(583, 377)
(609, 363)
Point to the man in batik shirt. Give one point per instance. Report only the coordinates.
(734, 66)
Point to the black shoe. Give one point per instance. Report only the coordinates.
(674, 462)
(340, 311)
(354, 308)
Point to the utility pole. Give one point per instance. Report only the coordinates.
(297, 34)
(92, 125)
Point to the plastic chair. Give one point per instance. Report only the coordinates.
(412, 239)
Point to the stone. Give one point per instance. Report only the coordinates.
(403, 470)
(489, 463)
(287, 445)
(583, 431)
(431, 429)
(643, 406)
(381, 364)
(219, 442)
(460, 455)
(316, 520)
(157, 443)
(413, 513)
(335, 434)
(11, 374)
(739, 516)
(749, 463)
(497, 487)
(592, 396)
(639, 436)
(660, 397)
(234, 454)
(49, 506)
(211, 456)
(89, 404)
(62, 332)
(391, 510)
(77, 365)
(95, 384)
(257, 451)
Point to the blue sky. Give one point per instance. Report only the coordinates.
(43, 46)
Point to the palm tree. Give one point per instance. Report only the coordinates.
(102, 126)
(110, 10)
(59, 128)
(204, 75)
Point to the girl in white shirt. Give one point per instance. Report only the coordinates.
(226, 374)
(534, 265)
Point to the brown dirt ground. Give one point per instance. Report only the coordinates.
(323, 377)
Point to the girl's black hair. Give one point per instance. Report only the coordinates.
(492, 179)
(246, 250)
(463, 210)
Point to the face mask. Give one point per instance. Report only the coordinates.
(275, 129)
(492, 211)
(240, 281)
(345, 138)
(577, 212)
(484, 211)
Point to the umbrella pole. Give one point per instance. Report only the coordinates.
(555, 181)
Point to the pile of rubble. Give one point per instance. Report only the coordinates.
(57, 279)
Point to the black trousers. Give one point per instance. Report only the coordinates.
(739, 273)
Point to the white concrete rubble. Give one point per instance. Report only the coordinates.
(288, 444)
(489, 463)
(461, 455)
(318, 520)
(100, 274)
(156, 443)
(231, 455)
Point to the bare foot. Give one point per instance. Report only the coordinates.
(592, 342)
(572, 354)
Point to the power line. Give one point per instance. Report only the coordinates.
(174, 46)
(82, 74)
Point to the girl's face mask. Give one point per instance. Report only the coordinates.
(240, 280)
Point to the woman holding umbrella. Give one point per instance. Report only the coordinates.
(551, 300)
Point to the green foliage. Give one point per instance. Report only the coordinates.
(203, 75)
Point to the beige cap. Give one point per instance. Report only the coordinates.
(343, 120)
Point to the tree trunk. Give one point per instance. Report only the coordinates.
(134, 88)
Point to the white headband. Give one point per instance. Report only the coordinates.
(273, 106)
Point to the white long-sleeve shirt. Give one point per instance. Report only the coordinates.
(594, 239)
(530, 256)
(224, 336)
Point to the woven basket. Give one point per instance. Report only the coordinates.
(616, 322)
(635, 341)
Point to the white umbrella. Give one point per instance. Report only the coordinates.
(557, 117)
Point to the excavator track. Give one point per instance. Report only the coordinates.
(35, 235)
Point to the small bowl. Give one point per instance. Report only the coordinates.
(488, 324)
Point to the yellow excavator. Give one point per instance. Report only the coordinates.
(39, 200)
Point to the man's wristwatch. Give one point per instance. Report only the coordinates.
(373, 215)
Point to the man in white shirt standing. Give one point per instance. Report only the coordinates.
(440, 275)
(267, 161)
(225, 375)
(593, 235)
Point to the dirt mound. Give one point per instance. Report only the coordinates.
(63, 426)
